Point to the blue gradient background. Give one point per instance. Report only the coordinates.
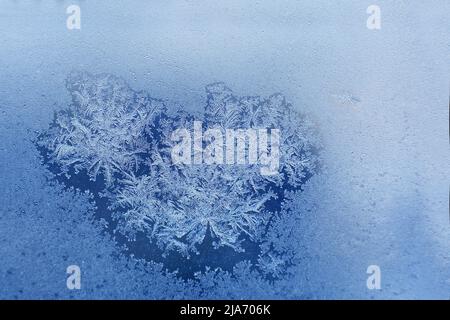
(379, 96)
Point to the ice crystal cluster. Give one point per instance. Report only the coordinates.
(122, 138)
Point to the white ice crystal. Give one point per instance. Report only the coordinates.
(102, 130)
(124, 136)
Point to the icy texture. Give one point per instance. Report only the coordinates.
(380, 98)
(125, 137)
(102, 131)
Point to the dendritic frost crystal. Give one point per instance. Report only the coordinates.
(122, 138)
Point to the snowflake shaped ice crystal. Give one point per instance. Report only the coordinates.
(123, 137)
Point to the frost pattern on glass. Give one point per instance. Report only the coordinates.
(122, 138)
(102, 130)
